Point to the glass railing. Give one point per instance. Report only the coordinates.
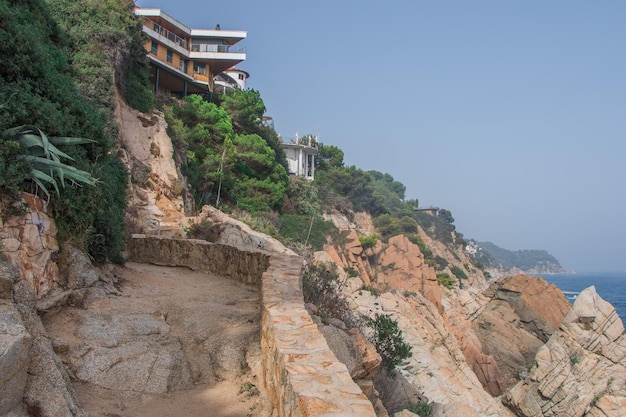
(210, 47)
(169, 35)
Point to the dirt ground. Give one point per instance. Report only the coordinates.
(217, 322)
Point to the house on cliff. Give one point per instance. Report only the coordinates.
(187, 61)
(300, 155)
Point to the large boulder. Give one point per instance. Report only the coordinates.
(48, 390)
(228, 231)
(15, 344)
(582, 368)
(520, 314)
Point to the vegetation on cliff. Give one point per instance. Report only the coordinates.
(223, 154)
(60, 69)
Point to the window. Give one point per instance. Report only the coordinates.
(168, 56)
(182, 66)
(199, 69)
(154, 48)
(241, 76)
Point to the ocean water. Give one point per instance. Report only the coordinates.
(611, 286)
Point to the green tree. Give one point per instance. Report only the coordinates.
(329, 157)
(246, 109)
(446, 216)
(389, 341)
(303, 196)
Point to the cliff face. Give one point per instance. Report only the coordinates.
(516, 336)
(582, 368)
(520, 314)
(157, 190)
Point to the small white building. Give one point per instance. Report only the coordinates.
(301, 158)
(231, 78)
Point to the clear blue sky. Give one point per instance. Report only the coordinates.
(512, 115)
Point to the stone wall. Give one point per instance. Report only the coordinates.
(301, 374)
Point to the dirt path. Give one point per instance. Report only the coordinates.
(211, 323)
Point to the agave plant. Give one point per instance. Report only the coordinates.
(46, 159)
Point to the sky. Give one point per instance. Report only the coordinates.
(512, 115)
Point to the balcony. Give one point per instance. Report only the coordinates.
(167, 38)
(169, 35)
(219, 57)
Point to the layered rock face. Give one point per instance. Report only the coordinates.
(157, 204)
(519, 316)
(582, 368)
(399, 264)
(437, 371)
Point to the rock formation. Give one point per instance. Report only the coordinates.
(33, 381)
(520, 314)
(30, 242)
(582, 368)
(399, 264)
(157, 202)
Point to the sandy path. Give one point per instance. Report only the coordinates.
(217, 322)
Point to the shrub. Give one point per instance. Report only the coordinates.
(389, 341)
(445, 280)
(421, 408)
(458, 272)
(371, 289)
(302, 194)
(368, 241)
(202, 231)
(440, 262)
(320, 286)
(352, 273)
(294, 227)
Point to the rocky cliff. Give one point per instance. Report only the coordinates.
(512, 347)
(472, 344)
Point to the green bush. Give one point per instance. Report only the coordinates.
(57, 73)
(445, 280)
(302, 195)
(389, 341)
(352, 273)
(14, 171)
(458, 272)
(202, 231)
(422, 409)
(294, 227)
(440, 263)
(368, 242)
(371, 290)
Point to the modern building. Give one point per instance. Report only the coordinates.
(185, 60)
(300, 157)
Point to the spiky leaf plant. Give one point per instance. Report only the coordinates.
(42, 154)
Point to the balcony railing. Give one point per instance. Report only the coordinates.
(169, 35)
(209, 47)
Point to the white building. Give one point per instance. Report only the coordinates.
(231, 78)
(301, 158)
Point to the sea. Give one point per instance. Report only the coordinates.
(611, 286)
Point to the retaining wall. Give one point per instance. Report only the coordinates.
(302, 376)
